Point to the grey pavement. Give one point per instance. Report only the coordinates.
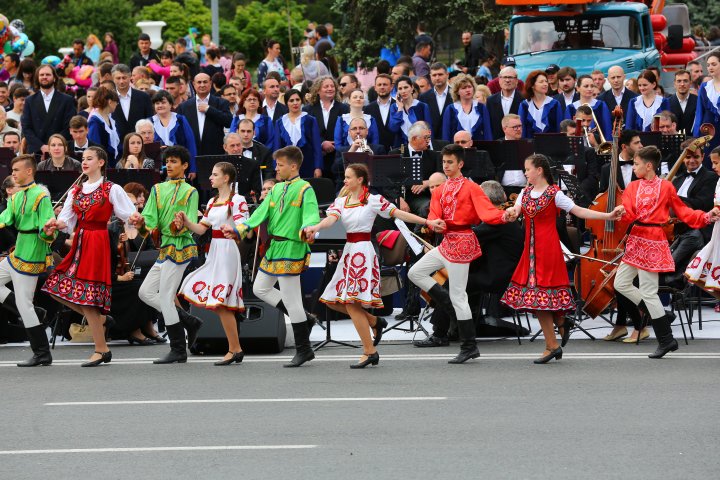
(603, 411)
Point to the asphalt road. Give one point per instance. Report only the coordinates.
(603, 411)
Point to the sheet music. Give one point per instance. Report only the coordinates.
(412, 242)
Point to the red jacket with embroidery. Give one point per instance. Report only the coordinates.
(461, 203)
(650, 201)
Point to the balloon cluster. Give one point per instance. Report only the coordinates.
(13, 37)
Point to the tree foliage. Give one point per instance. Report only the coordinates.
(703, 12)
(372, 24)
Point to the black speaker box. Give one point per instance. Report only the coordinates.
(262, 331)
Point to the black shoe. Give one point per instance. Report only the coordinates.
(237, 357)
(303, 351)
(372, 359)
(557, 354)
(432, 341)
(109, 323)
(568, 325)
(664, 348)
(40, 347)
(105, 357)
(157, 338)
(177, 353)
(405, 315)
(468, 347)
(380, 325)
(663, 332)
(140, 341)
(192, 325)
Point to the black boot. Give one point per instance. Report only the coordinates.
(663, 332)
(192, 325)
(412, 303)
(177, 353)
(468, 347)
(441, 298)
(310, 318)
(40, 347)
(11, 306)
(303, 350)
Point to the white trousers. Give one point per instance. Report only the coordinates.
(433, 261)
(647, 291)
(24, 286)
(160, 289)
(290, 293)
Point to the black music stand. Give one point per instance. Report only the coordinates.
(154, 151)
(248, 172)
(651, 138)
(57, 182)
(147, 177)
(554, 145)
(6, 156)
(478, 166)
(355, 157)
(670, 145)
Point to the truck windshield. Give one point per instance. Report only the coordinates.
(572, 33)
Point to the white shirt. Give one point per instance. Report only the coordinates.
(293, 129)
(326, 113)
(384, 109)
(84, 147)
(618, 98)
(125, 102)
(536, 113)
(441, 97)
(122, 205)
(569, 100)
(467, 120)
(269, 110)
(506, 102)
(683, 190)
(647, 113)
(626, 171)
(47, 98)
(683, 103)
(201, 115)
(162, 131)
(562, 201)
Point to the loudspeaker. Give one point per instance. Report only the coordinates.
(262, 331)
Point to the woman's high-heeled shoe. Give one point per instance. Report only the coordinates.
(373, 358)
(105, 357)
(380, 325)
(557, 353)
(156, 338)
(237, 357)
(140, 341)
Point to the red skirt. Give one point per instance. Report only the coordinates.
(84, 276)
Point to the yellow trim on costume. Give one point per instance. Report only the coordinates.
(170, 252)
(284, 267)
(37, 201)
(157, 198)
(30, 268)
(392, 211)
(298, 202)
(206, 223)
(185, 199)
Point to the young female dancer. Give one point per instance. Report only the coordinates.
(540, 282)
(83, 279)
(356, 283)
(217, 285)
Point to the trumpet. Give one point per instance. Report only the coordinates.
(364, 147)
(604, 147)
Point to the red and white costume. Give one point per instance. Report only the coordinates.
(218, 283)
(357, 278)
(540, 281)
(705, 267)
(84, 276)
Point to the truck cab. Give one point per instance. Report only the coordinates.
(596, 37)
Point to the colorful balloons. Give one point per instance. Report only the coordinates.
(4, 31)
(53, 60)
(20, 43)
(29, 50)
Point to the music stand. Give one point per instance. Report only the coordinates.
(349, 158)
(670, 145)
(57, 182)
(553, 145)
(147, 177)
(478, 166)
(248, 172)
(154, 151)
(6, 156)
(651, 138)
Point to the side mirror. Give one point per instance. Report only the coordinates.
(675, 37)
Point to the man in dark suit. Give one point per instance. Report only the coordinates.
(506, 101)
(243, 144)
(46, 112)
(207, 115)
(683, 103)
(271, 92)
(438, 97)
(567, 76)
(617, 91)
(80, 142)
(144, 54)
(326, 107)
(583, 166)
(134, 104)
(629, 143)
(359, 132)
(380, 109)
(502, 247)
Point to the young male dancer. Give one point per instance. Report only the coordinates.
(28, 210)
(461, 203)
(176, 251)
(289, 207)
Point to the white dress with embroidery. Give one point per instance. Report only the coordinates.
(218, 283)
(705, 267)
(357, 278)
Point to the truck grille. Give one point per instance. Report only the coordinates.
(630, 64)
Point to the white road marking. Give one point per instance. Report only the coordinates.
(248, 400)
(157, 449)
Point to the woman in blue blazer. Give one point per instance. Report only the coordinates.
(300, 129)
(406, 111)
(645, 106)
(342, 126)
(172, 128)
(250, 108)
(466, 113)
(101, 126)
(708, 104)
(600, 108)
(538, 112)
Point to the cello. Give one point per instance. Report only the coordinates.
(595, 272)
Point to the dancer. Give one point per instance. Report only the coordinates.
(708, 259)
(177, 250)
(83, 279)
(217, 285)
(647, 202)
(28, 210)
(355, 285)
(540, 282)
(460, 203)
(289, 208)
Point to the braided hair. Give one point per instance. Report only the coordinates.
(228, 169)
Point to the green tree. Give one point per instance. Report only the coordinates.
(703, 12)
(372, 24)
(178, 16)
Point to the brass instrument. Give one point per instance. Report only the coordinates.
(364, 147)
(605, 147)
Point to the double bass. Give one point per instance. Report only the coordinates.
(595, 273)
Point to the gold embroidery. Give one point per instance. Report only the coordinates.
(284, 266)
